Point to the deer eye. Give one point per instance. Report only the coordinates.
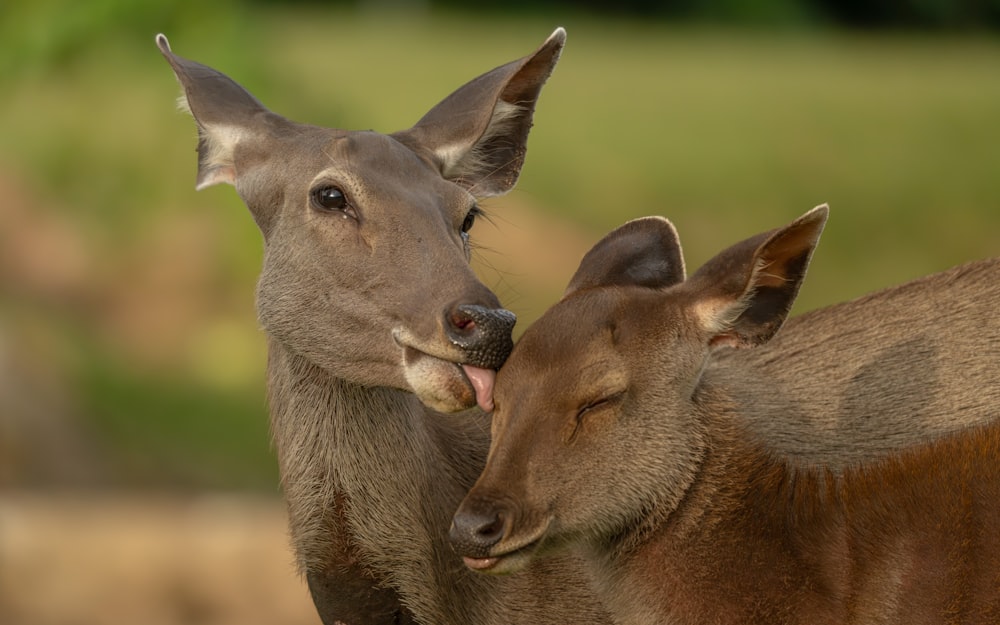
(329, 198)
(605, 401)
(470, 219)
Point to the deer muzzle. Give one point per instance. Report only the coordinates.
(488, 539)
(483, 334)
(473, 534)
(458, 372)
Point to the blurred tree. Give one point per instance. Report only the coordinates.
(925, 14)
(935, 14)
(47, 34)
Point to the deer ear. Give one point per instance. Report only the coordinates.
(742, 296)
(478, 135)
(642, 252)
(225, 113)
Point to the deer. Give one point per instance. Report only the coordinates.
(623, 430)
(382, 343)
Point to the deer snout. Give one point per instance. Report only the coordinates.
(483, 333)
(493, 535)
(474, 533)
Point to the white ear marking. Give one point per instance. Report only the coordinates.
(458, 161)
(183, 105)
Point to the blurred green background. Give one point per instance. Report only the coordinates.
(129, 352)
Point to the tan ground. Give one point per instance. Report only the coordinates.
(111, 560)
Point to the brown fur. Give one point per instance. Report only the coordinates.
(626, 427)
(900, 366)
(906, 539)
(362, 305)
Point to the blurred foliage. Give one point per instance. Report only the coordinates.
(879, 14)
(127, 331)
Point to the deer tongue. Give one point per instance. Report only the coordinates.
(482, 382)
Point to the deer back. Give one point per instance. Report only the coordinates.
(857, 380)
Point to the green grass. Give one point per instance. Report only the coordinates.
(726, 133)
(729, 136)
(169, 431)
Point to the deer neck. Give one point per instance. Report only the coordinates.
(730, 546)
(375, 459)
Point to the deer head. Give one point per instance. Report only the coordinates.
(597, 416)
(366, 235)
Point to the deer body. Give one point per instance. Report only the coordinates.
(898, 367)
(910, 538)
(382, 344)
(628, 427)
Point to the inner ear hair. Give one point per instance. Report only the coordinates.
(476, 163)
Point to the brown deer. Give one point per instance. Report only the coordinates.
(619, 430)
(377, 330)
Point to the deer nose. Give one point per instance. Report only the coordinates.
(483, 333)
(475, 533)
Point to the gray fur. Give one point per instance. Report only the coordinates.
(359, 304)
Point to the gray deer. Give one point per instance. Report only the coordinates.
(377, 332)
(619, 431)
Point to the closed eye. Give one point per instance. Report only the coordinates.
(595, 406)
(603, 402)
